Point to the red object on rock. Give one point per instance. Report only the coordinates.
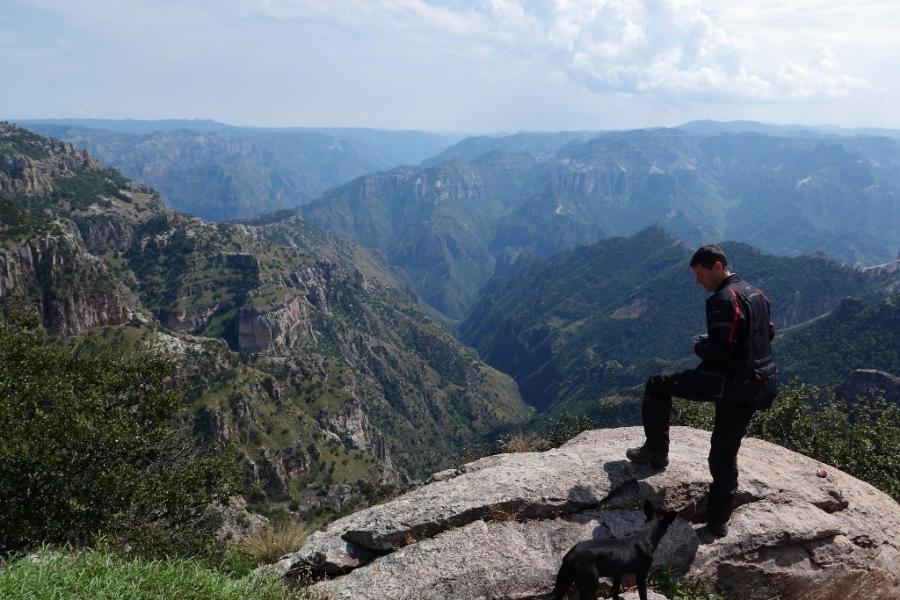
(822, 472)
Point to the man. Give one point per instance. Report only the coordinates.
(737, 373)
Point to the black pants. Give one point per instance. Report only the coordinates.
(730, 427)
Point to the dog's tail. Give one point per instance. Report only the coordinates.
(564, 579)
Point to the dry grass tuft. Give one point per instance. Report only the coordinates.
(267, 545)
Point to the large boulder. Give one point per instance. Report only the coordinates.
(498, 527)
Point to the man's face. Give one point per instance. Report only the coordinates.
(709, 279)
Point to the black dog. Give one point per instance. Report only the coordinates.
(587, 561)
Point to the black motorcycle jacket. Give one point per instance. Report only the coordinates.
(730, 348)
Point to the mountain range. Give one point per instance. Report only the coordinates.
(454, 224)
(301, 350)
(313, 355)
(595, 322)
(220, 172)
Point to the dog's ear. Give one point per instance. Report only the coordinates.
(649, 511)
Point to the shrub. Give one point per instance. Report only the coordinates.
(89, 447)
(567, 426)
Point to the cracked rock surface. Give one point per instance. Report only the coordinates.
(498, 527)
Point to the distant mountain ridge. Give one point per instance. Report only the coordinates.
(454, 224)
(720, 127)
(220, 172)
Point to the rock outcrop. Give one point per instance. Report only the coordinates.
(237, 522)
(73, 290)
(274, 328)
(498, 527)
(49, 160)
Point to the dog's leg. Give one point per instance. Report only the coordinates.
(642, 584)
(587, 581)
(617, 583)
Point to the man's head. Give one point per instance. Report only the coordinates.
(710, 267)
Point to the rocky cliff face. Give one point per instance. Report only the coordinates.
(39, 163)
(274, 328)
(498, 527)
(73, 290)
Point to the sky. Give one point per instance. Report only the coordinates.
(454, 65)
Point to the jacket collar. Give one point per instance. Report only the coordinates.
(733, 278)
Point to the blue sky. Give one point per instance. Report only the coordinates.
(500, 65)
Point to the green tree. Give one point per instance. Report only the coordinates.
(90, 446)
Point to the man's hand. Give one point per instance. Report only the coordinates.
(700, 343)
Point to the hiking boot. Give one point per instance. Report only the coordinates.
(717, 530)
(657, 460)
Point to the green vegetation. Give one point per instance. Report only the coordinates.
(15, 140)
(104, 575)
(663, 582)
(854, 336)
(89, 447)
(862, 439)
(17, 222)
(596, 321)
(85, 188)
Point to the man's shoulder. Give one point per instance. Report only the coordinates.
(737, 286)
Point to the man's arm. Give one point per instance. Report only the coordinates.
(723, 322)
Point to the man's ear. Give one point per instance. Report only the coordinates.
(718, 267)
(648, 510)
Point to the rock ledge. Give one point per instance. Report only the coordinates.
(498, 527)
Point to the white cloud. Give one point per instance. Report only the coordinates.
(673, 48)
(490, 64)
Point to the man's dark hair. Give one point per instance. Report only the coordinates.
(706, 256)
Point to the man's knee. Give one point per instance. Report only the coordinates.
(656, 388)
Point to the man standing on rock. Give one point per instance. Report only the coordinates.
(737, 373)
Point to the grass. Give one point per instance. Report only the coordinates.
(103, 575)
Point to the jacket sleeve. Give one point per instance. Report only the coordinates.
(724, 320)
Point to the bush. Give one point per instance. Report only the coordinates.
(861, 438)
(89, 447)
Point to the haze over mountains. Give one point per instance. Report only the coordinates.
(220, 172)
